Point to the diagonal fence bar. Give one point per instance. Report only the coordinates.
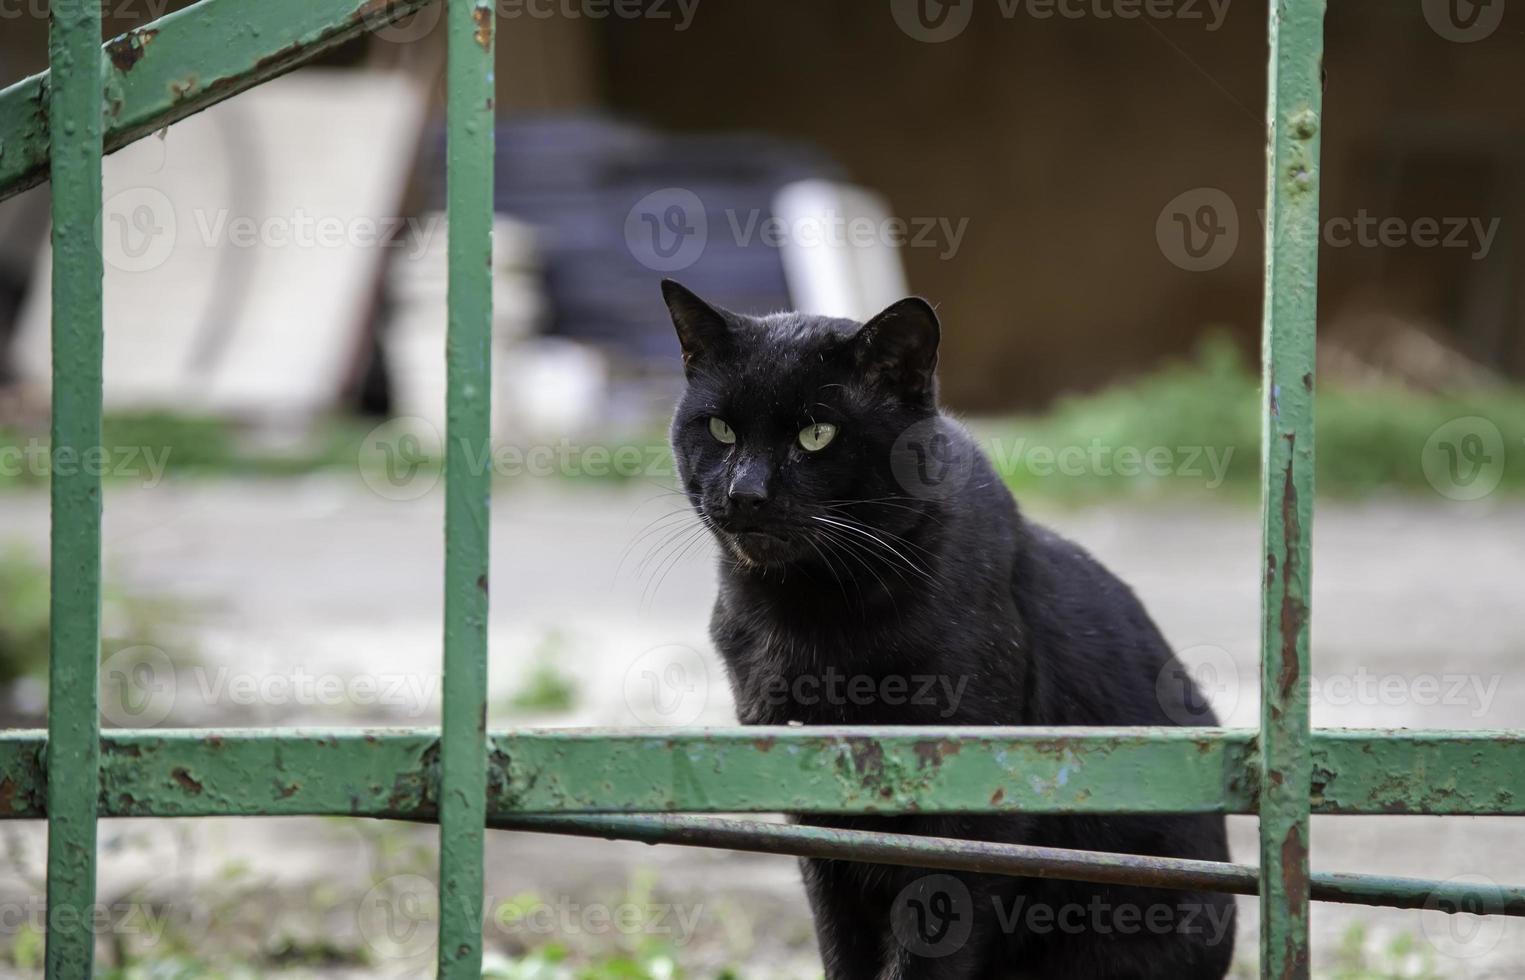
(463, 735)
(1294, 92)
(1022, 860)
(160, 73)
(74, 609)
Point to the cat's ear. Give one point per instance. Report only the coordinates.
(898, 347)
(701, 327)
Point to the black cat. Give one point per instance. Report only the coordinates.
(875, 571)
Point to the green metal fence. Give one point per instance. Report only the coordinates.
(96, 99)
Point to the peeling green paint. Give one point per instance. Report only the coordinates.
(182, 63)
(1294, 90)
(74, 614)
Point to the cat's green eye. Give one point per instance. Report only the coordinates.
(722, 432)
(815, 436)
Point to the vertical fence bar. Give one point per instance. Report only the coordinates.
(1294, 102)
(74, 645)
(463, 754)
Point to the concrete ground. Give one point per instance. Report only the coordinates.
(285, 589)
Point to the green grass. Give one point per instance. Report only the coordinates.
(1189, 428)
(1201, 421)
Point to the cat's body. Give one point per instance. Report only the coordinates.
(884, 576)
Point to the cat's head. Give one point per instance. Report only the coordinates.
(785, 435)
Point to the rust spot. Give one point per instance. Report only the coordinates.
(287, 791)
(482, 583)
(997, 797)
(929, 753)
(1293, 854)
(184, 88)
(187, 782)
(215, 741)
(127, 50)
(1308, 381)
(1293, 613)
(482, 16)
(867, 757)
(7, 794)
(764, 744)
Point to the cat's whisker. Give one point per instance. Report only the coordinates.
(649, 594)
(672, 536)
(880, 541)
(864, 525)
(661, 524)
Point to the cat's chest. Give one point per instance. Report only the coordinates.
(828, 675)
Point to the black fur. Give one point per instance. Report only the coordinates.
(888, 579)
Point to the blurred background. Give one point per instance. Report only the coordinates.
(1077, 185)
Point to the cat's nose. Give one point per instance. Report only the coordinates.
(749, 488)
(747, 500)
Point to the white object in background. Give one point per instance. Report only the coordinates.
(839, 253)
(554, 388)
(243, 248)
(413, 340)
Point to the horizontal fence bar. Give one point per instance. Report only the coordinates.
(951, 854)
(182, 63)
(393, 773)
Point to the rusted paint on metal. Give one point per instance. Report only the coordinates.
(481, 16)
(186, 781)
(1020, 860)
(1288, 347)
(150, 85)
(737, 770)
(126, 49)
